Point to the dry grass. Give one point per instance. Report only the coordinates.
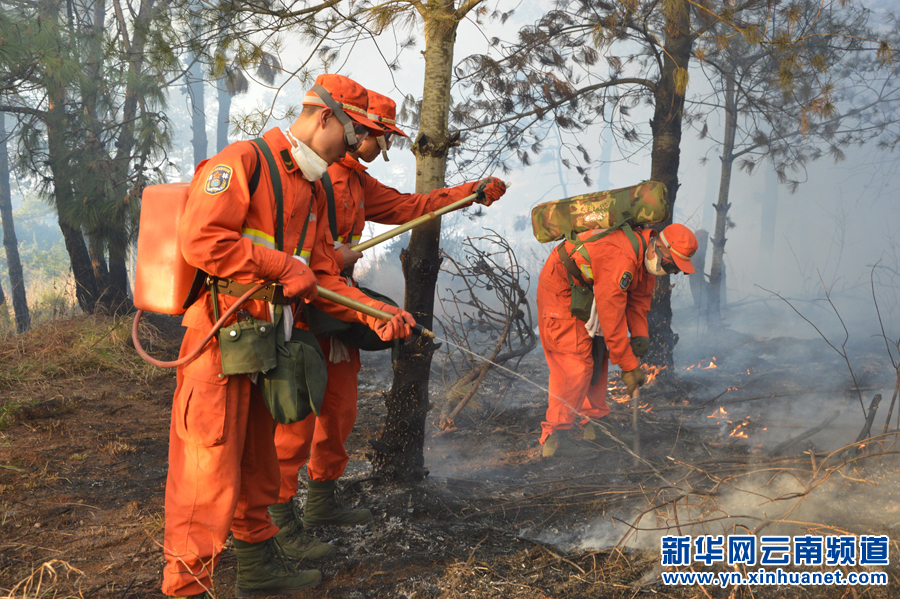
(71, 348)
(48, 581)
(118, 447)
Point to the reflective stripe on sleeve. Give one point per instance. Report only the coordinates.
(257, 237)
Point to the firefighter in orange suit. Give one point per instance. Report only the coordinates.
(223, 467)
(358, 197)
(622, 272)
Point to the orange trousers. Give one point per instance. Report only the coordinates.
(567, 347)
(223, 469)
(320, 439)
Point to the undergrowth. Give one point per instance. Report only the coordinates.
(71, 348)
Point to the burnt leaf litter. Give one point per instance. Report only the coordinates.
(83, 470)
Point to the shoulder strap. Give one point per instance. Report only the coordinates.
(254, 178)
(332, 210)
(277, 190)
(299, 250)
(625, 227)
(571, 268)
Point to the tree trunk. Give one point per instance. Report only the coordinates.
(10, 244)
(86, 292)
(194, 80)
(224, 113)
(717, 266)
(99, 240)
(665, 158)
(128, 193)
(120, 302)
(698, 278)
(97, 251)
(399, 452)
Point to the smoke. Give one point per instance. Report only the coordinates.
(767, 500)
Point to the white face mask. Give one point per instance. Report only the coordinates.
(310, 164)
(652, 265)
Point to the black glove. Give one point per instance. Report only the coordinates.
(640, 346)
(633, 379)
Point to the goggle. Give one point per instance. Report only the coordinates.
(354, 133)
(361, 134)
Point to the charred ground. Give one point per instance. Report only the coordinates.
(83, 465)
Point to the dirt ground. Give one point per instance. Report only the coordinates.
(83, 470)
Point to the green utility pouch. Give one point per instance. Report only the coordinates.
(582, 298)
(351, 334)
(582, 292)
(294, 389)
(247, 346)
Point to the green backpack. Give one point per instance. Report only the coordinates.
(640, 204)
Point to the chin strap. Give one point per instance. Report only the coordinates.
(383, 146)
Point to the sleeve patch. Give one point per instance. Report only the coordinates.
(218, 180)
(625, 281)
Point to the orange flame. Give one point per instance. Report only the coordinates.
(712, 364)
(652, 372)
(737, 433)
(616, 392)
(719, 413)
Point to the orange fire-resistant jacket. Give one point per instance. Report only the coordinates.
(227, 233)
(622, 289)
(360, 197)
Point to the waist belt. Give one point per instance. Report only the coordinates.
(270, 293)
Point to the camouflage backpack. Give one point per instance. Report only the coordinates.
(605, 211)
(640, 204)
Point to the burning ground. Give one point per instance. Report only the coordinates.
(746, 435)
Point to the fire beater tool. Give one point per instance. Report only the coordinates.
(360, 247)
(368, 310)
